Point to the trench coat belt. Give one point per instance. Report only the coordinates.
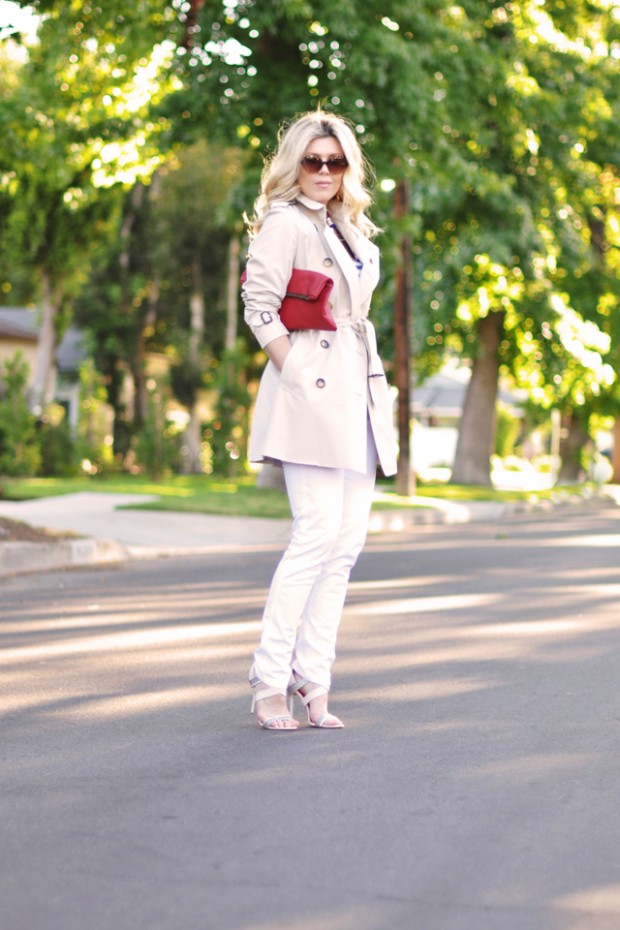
(360, 330)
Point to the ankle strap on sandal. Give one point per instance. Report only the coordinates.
(300, 683)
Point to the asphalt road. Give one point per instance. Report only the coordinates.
(475, 787)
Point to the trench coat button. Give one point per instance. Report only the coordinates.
(324, 344)
(320, 382)
(327, 262)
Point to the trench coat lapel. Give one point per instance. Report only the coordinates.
(368, 279)
(361, 285)
(346, 265)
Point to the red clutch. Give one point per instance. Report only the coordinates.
(305, 304)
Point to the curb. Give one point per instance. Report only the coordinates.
(442, 512)
(27, 557)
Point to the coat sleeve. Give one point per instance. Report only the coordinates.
(268, 271)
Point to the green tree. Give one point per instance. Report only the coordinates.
(192, 253)
(249, 68)
(497, 116)
(504, 250)
(158, 286)
(486, 109)
(74, 129)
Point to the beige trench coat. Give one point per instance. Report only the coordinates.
(315, 411)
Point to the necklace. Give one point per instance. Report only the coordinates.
(359, 264)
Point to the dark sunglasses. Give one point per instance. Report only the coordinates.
(335, 165)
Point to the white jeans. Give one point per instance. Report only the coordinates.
(330, 508)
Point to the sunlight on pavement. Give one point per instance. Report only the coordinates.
(602, 900)
(136, 639)
(111, 707)
(104, 617)
(424, 604)
(390, 584)
(424, 690)
(544, 627)
(607, 541)
(78, 705)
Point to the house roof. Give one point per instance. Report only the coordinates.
(439, 393)
(15, 332)
(443, 394)
(18, 324)
(22, 323)
(21, 318)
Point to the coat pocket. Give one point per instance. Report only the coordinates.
(290, 371)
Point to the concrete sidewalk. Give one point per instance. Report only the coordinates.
(98, 530)
(103, 532)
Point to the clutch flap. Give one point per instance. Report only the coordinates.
(308, 285)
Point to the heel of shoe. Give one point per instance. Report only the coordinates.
(326, 721)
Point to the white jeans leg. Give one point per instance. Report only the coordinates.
(330, 516)
(315, 648)
(315, 497)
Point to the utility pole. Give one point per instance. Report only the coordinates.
(405, 481)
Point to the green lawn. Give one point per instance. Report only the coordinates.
(207, 494)
(197, 493)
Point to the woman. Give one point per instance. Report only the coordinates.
(323, 409)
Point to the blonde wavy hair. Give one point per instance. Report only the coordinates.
(279, 180)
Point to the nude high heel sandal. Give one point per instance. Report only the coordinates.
(325, 721)
(270, 722)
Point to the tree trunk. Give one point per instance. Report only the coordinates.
(615, 456)
(128, 416)
(472, 462)
(235, 374)
(192, 9)
(137, 359)
(232, 291)
(405, 483)
(192, 437)
(192, 441)
(44, 382)
(138, 374)
(573, 438)
(145, 323)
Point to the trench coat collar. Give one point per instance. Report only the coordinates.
(312, 204)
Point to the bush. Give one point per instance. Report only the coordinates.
(157, 445)
(507, 430)
(227, 434)
(19, 448)
(59, 454)
(94, 431)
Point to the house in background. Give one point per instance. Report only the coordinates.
(18, 333)
(436, 409)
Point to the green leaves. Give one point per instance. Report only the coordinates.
(500, 116)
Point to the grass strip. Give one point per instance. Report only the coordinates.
(241, 497)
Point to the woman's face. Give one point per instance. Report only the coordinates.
(323, 185)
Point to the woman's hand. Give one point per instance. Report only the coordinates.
(278, 349)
